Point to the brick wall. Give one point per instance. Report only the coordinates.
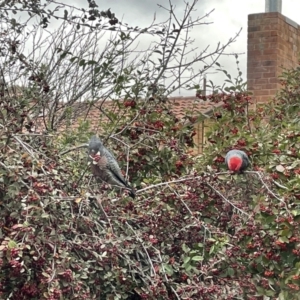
(273, 44)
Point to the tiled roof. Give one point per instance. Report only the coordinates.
(183, 104)
(83, 111)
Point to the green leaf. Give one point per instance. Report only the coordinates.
(283, 239)
(97, 70)
(12, 244)
(82, 62)
(269, 219)
(197, 258)
(186, 260)
(185, 248)
(169, 269)
(91, 62)
(296, 212)
(230, 272)
(73, 59)
(286, 233)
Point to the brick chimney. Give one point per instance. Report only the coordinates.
(273, 44)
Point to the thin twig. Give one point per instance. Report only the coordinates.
(279, 185)
(167, 183)
(74, 148)
(108, 220)
(165, 275)
(224, 198)
(266, 186)
(192, 215)
(141, 241)
(24, 146)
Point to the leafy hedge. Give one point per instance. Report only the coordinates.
(193, 232)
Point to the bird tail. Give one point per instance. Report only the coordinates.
(131, 191)
(132, 194)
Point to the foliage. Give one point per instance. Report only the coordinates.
(267, 241)
(83, 57)
(194, 231)
(62, 235)
(188, 236)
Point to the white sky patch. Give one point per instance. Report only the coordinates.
(229, 16)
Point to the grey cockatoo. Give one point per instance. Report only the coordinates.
(237, 160)
(105, 166)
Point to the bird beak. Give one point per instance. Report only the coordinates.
(95, 157)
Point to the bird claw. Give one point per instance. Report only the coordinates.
(95, 158)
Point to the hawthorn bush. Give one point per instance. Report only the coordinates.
(265, 246)
(193, 231)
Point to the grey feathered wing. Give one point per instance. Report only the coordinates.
(111, 172)
(246, 161)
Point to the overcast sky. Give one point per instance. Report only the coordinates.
(229, 16)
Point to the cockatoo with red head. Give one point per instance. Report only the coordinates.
(237, 161)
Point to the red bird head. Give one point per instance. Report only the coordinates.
(235, 163)
(237, 160)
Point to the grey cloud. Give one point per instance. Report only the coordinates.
(229, 16)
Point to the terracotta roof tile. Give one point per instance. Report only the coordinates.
(83, 111)
(183, 104)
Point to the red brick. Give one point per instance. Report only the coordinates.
(281, 46)
(268, 75)
(274, 80)
(265, 98)
(270, 39)
(273, 92)
(273, 45)
(251, 81)
(252, 17)
(269, 27)
(256, 75)
(271, 86)
(254, 53)
(254, 28)
(256, 64)
(270, 51)
(261, 34)
(255, 40)
(274, 21)
(260, 69)
(269, 63)
(250, 35)
(262, 92)
(260, 45)
(250, 69)
(261, 81)
(274, 33)
(274, 15)
(268, 57)
(271, 69)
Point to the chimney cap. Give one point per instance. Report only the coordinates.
(273, 6)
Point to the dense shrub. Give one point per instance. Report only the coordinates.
(195, 232)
